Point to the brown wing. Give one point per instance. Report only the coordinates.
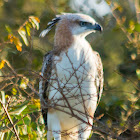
(99, 77)
(44, 83)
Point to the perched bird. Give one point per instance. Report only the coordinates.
(71, 81)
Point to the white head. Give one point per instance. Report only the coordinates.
(69, 27)
(81, 24)
(77, 24)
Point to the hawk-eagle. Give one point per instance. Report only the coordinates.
(71, 81)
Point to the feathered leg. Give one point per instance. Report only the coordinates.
(84, 132)
(54, 126)
(49, 135)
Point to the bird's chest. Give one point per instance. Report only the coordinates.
(75, 65)
(73, 78)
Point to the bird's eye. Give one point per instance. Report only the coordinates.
(82, 23)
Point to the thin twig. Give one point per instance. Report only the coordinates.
(9, 118)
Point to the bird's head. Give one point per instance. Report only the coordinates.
(75, 23)
(69, 28)
(80, 24)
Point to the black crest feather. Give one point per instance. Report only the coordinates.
(49, 26)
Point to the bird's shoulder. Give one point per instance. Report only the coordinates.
(99, 76)
(44, 83)
(98, 62)
(45, 72)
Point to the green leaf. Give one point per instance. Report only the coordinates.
(20, 123)
(17, 111)
(22, 33)
(122, 124)
(9, 137)
(24, 137)
(19, 117)
(30, 109)
(21, 104)
(34, 135)
(8, 29)
(29, 129)
(19, 108)
(137, 27)
(27, 120)
(34, 126)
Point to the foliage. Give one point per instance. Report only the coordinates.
(21, 53)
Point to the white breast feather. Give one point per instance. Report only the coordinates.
(79, 53)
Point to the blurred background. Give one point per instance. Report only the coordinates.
(21, 57)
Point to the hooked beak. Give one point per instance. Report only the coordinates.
(96, 27)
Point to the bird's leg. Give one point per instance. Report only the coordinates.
(54, 126)
(84, 131)
(49, 135)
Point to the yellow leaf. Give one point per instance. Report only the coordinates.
(17, 43)
(10, 37)
(138, 73)
(109, 123)
(28, 28)
(34, 21)
(132, 25)
(2, 64)
(37, 102)
(24, 83)
(22, 33)
(14, 91)
(37, 19)
(19, 48)
(6, 96)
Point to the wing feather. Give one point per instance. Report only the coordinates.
(99, 77)
(49, 27)
(44, 83)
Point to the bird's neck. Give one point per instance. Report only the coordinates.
(63, 38)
